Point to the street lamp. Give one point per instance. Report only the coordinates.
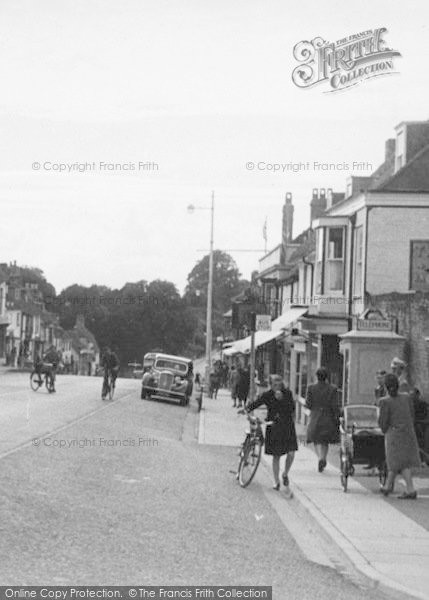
(191, 209)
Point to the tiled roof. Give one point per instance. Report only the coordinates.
(412, 177)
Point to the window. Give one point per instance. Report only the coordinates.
(297, 373)
(301, 374)
(334, 276)
(163, 363)
(319, 261)
(18, 319)
(419, 265)
(358, 251)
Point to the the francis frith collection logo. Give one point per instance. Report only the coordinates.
(343, 63)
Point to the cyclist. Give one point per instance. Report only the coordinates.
(38, 366)
(110, 365)
(52, 357)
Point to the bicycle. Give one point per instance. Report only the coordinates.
(108, 386)
(37, 380)
(250, 451)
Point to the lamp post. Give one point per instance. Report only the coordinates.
(191, 209)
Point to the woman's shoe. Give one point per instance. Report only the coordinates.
(408, 496)
(285, 480)
(322, 465)
(276, 487)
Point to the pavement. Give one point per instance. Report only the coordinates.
(383, 538)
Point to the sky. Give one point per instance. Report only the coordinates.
(187, 92)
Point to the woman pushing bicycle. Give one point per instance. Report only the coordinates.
(280, 436)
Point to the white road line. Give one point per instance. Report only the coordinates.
(44, 435)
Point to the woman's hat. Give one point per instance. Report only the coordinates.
(397, 362)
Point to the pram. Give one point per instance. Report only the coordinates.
(361, 441)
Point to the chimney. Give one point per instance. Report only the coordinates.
(389, 153)
(287, 223)
(317, 204)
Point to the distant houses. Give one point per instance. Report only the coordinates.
(28, 329)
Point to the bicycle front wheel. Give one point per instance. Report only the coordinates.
(111, 390)
(34, 381)
(250, 459)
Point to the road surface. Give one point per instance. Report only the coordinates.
(121, 493)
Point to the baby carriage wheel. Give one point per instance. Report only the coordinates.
(345, 464)
(382, 473)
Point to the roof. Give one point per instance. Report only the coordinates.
(412, 177)
(172, 357)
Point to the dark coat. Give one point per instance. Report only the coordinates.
(396, 420)
(243, 384)
(323, 427)
(280, 438)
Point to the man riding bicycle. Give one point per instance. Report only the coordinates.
(110, 365)
(51, 357)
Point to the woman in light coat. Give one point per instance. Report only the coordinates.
(396, 420)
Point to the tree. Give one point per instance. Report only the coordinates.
(132, 320)
(227, 281)
(227, 284)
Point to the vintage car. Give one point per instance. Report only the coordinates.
(167, 377)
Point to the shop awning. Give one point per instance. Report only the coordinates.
(264, 337)
(289, 317)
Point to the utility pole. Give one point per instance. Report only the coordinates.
(252, 356)
(210, 299)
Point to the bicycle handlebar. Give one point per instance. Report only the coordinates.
(259, 421)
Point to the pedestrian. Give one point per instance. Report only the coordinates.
(323, 427)
(214, 383)
(380, 389)
(225, 372)
(280, 437)
(398, 367)
(396, 421)
(234, 378)
(13, 356)
(243, 386)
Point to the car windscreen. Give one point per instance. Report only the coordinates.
(164, 363)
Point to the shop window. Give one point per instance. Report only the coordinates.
(297, 372)
(301, 375)
(346, 374)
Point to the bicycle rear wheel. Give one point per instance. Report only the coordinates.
(250, 459)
